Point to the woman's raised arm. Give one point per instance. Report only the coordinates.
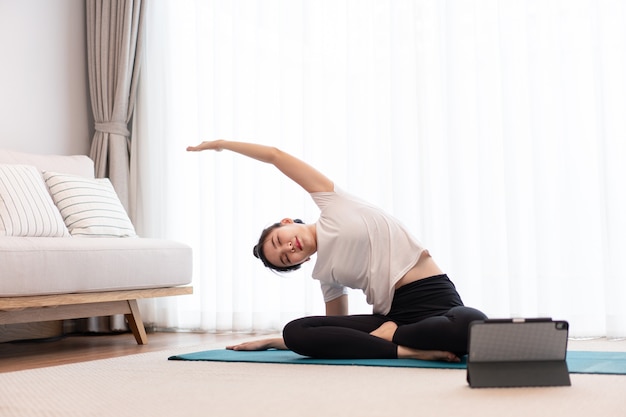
(299, 171)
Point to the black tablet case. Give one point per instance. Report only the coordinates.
(517, 353)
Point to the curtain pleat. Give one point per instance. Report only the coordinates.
(114, 45)
(114, 39)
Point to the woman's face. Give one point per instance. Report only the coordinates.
(290, 244)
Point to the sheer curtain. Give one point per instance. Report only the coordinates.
(494, 130)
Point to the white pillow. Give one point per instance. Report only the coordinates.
(89, 207)
(26, 208)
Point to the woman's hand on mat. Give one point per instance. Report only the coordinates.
(264, 344)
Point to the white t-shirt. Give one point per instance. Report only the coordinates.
(360, 246)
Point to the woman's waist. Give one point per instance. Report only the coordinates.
(424, 268)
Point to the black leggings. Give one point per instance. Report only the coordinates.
(429, 313)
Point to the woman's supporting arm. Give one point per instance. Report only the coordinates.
(264, 344)
(337, 306)
(297, 170)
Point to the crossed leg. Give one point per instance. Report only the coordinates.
(376, 336)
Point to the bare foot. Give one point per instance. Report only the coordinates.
(426, 355)
(386, 331)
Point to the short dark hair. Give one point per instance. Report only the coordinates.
(259, 253)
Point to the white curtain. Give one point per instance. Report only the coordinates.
(495, 130)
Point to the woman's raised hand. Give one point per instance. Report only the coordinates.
(298, 171)
(214, 145)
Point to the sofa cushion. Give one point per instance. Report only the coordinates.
(26, 208)
(43, 266)
(90, 207)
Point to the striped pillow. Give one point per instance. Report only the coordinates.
(89, 207)
(26, 208)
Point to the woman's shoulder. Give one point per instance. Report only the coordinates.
(337, 195)
(323, 198)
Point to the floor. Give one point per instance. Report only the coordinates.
(16, 356)
(268, 391)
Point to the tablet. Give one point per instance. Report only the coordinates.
(518, 352)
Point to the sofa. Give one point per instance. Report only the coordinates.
(68, 249)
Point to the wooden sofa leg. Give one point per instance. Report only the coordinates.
(136, 324)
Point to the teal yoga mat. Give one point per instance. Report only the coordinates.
(578, 362)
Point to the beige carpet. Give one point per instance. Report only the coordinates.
(150, 385)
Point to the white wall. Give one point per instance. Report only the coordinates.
(44, 93)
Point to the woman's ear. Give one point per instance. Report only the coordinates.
(286, 220)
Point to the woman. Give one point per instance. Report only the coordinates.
(417, 310)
